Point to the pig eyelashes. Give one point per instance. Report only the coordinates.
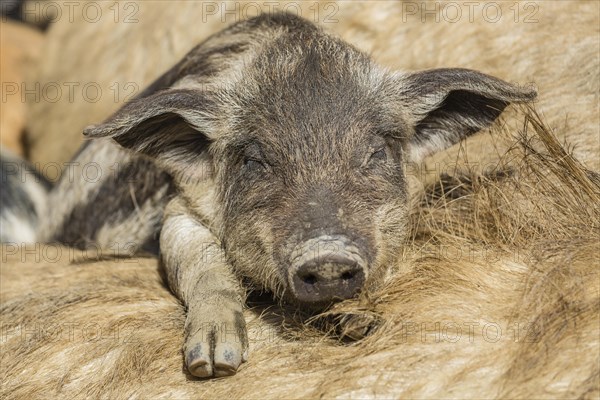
(377, 156)
(255, 165)
(253, 159)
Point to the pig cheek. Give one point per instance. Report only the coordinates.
(248, 233)
(391, 228)
(250, 244)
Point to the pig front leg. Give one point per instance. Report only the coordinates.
(215, 342)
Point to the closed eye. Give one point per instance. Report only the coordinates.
(254, 160)
(254, 164)
(378, 155)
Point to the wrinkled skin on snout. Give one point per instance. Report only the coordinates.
(288, 147)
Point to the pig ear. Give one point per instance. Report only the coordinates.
(448, 105)
(171, 126)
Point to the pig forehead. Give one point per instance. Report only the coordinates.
(313, 117)
(309, 64)
(310, 88)
(306, 75)
(311, 120)
(312, 103)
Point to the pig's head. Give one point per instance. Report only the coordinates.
(304, 138)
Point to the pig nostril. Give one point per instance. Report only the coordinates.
(310, 279)
(346, 276)
(324, 270)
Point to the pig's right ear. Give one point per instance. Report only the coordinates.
(171, 126)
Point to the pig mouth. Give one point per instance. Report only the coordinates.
(326, 269)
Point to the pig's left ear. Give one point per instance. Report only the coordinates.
(172, 126)
(448, 105)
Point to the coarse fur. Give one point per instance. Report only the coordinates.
(294, 140)
(110, 327)
(498, 233)
(523, 45)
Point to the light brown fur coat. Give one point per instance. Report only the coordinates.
(516, 252)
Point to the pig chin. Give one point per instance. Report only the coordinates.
(324, 270)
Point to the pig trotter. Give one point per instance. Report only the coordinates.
(215, 342)
(215, 348)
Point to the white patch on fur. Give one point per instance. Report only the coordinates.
(16, 229)
(433, 144)
(38, 196)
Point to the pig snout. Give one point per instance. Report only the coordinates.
(326, 269)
